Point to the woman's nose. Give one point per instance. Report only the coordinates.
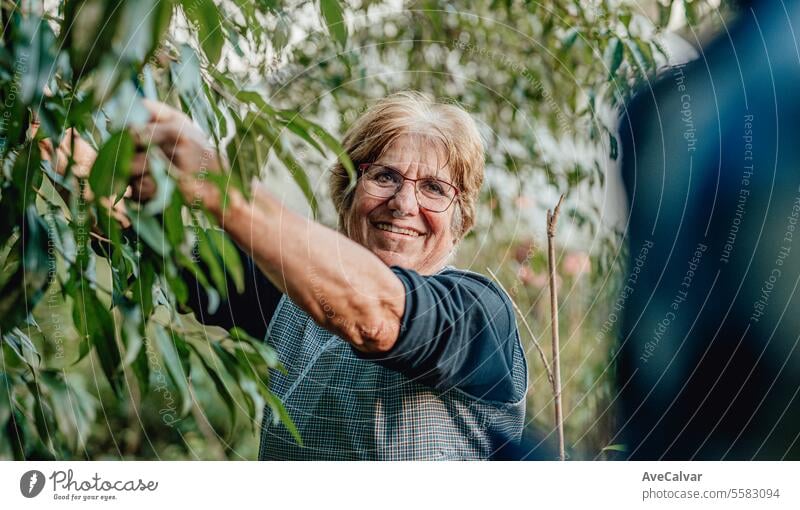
(405, 200)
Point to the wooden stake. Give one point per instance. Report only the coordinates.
(552, 220)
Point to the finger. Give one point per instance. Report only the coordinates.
(159, 112)
(46, 147)
(159, 134)
(60, 161)
(143, 188)
(80, 167)
(116, 211)
(139, 164)
(68, 140)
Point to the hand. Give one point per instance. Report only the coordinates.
(83, 156)
(187, 149)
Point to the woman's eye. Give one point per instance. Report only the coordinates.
(433, 187)
(386, 177)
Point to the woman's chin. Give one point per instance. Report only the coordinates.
(394, 259)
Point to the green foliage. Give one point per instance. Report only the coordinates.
(110, 296)
(91, 311)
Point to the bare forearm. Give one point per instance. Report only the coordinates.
(342, 285)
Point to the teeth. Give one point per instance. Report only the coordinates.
(397, 230)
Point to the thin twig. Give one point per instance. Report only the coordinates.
(527, 327)
(552, 220)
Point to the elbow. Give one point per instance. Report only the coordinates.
(375, 336)
(375, 323)
(370, 329)
(371, 326)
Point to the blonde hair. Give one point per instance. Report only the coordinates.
(415, 113)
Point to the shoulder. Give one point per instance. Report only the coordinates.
(476, 293)
(505, 380)
(491, 293)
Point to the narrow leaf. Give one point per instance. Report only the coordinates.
(334, 18)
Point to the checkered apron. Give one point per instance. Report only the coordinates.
(348, 408)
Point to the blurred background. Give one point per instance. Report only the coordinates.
(546, 82)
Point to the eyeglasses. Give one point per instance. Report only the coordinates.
(383, 181)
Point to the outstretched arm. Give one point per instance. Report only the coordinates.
(343, 286)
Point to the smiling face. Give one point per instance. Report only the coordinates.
(396, 229)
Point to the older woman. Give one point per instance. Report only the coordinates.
(390, 352)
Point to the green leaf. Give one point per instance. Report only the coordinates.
(36, 45)
(227, 253)
(295, 169)
(175, 283)
(205, 248)
(26, 174)
(188, 81)
(296, 126)
(267, 353)
(326, 138)
(143, 287)
(141, 26)
(111, 169)
(165, 186)
(614, 147)
(74, 408)
(256, 125)
(88, 29)
(690, 11)
(190, 265)
(569, 38)
(664, 13)
(247, 153)
(21, 345)
(131, 330)
(150, 232)
(205, 16)
(279, 413)
(162, 17)
(95, 323)
(640, 57)
(280, 36)
(334, 18)
(14, 128)
(43, 417)
(219, 384)
(613, 56)
(240, 335)
(615, 448)
(141, 368)
(168, 347)
(36, 260)
(233, 368)
(5, 399)
(173, 220)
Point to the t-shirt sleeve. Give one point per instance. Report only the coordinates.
(457, 331)
(252, 310)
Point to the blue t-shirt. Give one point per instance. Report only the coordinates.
(457, 331)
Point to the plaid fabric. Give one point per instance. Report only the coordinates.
(347, 408)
